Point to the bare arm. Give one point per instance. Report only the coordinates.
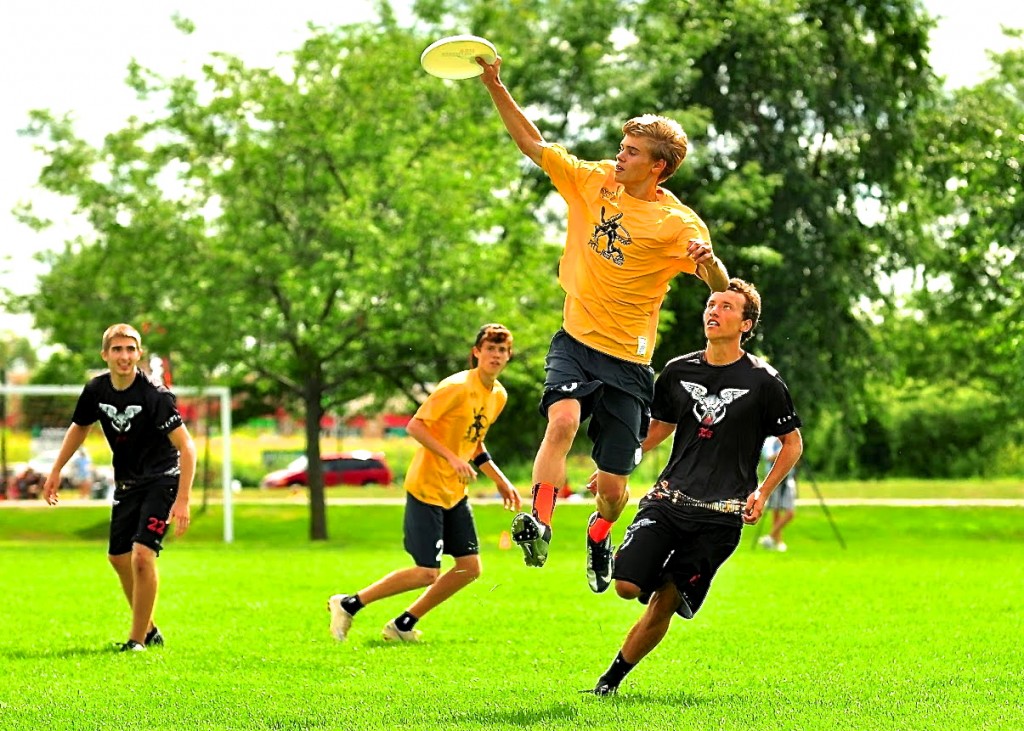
(508, 491)
(182, 441)
(788, 456)
(73, 439)
(419, 431)
(658, 432)
(524, 132)
(709, 267)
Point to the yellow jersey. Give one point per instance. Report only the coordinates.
(620, 255)
(459, 412)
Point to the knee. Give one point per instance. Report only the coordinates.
(612, 495)
(143, 558)
(471, 569)
(562, 425)
(627, 589)
(427, 575)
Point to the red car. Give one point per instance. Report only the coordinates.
(340, 468)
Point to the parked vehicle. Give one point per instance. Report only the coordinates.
(359, 467)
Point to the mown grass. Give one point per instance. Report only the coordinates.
(915, 625)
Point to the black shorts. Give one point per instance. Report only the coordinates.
(614, 394)
(431, 531)
(140, 515)
(664, 543)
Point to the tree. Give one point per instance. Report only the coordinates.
(957, 324)
(330, 228)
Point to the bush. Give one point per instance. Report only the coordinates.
(944, 429)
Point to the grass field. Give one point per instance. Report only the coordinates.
(916, 625)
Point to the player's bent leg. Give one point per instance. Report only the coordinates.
(611, 500)
(599, 555)
(122, 565)
(466, 570)
(145, 583)
(612, 495)
(627, 589)
(653, 624)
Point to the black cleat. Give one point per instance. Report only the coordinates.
(603, 688)
(154, 638)
(599, 559)
(132, 646)
(533, 537)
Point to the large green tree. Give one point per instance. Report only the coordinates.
(333, 228)
(954, 326)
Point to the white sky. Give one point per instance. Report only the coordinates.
(71, 56)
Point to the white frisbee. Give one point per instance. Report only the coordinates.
(454, 57)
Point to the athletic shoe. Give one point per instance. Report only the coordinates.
(781, 547)
(340, 619)
(391, 633)
(533, 537)
(603, 688)
(599, 559)
(767, 543)
(132, 646)
(154, 638)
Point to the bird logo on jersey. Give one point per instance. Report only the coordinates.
(122, 422)
(710, 408)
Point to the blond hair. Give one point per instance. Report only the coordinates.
(667, 137)
(121, 330)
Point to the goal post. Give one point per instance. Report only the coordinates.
(221, 392)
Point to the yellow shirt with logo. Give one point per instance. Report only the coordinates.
(459, 412)
(620, 255)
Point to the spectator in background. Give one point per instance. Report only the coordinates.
(782, 502)
(81, 473)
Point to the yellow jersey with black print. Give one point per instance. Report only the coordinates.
(620, 255)
(458, 412)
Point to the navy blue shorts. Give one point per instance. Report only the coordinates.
(432, 531)
(665, 544)
(614, 394)
(139, 515)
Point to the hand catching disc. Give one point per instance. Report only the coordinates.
(454, 57)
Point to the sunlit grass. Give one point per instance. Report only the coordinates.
(913, 626)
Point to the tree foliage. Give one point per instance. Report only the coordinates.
(332, 229)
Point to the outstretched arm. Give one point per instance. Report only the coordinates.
(524, 132)
(709, 267)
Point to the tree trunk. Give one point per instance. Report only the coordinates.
(315, 471)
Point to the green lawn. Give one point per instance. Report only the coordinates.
(916, 625)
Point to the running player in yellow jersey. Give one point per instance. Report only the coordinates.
(627, 238)
(450, 427)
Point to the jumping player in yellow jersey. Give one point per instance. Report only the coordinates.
(627, 238)
(450, 427)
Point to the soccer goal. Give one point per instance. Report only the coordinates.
(40, 414)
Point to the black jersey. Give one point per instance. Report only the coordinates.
(722, 415)
(136, 422)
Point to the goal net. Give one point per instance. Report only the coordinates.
(34, 418)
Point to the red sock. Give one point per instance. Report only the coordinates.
(543, 502)
(600, 529)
